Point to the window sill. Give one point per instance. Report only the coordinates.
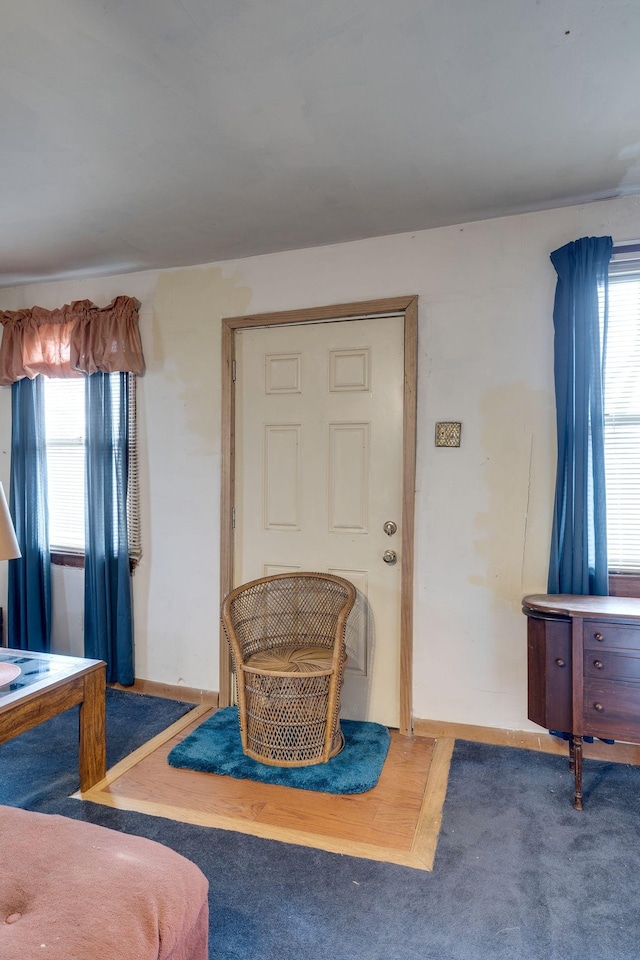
(624, 584)
(62, 559)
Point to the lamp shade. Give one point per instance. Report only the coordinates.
(9, 549)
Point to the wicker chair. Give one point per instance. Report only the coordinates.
(286, 634)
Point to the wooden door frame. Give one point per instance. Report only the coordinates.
(397, 306)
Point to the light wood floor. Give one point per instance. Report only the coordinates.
(397, 822)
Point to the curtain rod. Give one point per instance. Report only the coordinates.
(626, 248)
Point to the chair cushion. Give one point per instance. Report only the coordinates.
(75, 891)
(291, 659)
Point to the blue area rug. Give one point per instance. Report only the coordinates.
(215, 747)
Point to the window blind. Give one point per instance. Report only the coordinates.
(65, 434)
(622, 417)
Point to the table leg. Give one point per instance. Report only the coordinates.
(577, 748)
(92, 749)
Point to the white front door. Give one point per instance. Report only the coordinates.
(319, 442)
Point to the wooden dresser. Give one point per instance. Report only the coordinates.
(584, 669)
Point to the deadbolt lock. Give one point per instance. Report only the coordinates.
(390, 528)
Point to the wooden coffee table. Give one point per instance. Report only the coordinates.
(47, 685)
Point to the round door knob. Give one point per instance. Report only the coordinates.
(560, 662)
(598, 707)
(599, 637)
(390, 557)
(597, 664)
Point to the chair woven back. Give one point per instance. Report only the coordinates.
(289, 712)
(302, 609)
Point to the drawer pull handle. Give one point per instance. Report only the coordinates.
(560, 662)
(599, 637)
(597, 664)
(598, 707)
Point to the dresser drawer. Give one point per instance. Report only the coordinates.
(612, 709)
(598, 635)
(605, 665)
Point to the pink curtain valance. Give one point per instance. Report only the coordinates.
(78, 339)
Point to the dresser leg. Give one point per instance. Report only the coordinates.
(577, 760)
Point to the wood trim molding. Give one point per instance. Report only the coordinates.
(408, 513)
(540, 741)
(407, 306)
(227, 499)
(170, 691)
(340, 311)
(425, 840)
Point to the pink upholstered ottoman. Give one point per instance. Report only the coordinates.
(74, 891)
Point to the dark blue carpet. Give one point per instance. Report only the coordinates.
(44, 761)
(215, 747)
(519, 874)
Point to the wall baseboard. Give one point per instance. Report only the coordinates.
(170, 691)
(543, 742)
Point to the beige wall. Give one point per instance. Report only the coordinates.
(483, 511)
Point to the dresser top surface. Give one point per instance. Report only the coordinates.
(569, 605)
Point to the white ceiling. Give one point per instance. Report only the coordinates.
(138, 134)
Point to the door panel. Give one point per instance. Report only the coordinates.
(319, 428)
(282, 476)
(348, 477)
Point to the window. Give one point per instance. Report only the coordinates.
(622, 417)
(64, 402)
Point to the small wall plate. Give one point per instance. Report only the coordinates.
(448, 434)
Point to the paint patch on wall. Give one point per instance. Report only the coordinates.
(187, 310)
(518, 446)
